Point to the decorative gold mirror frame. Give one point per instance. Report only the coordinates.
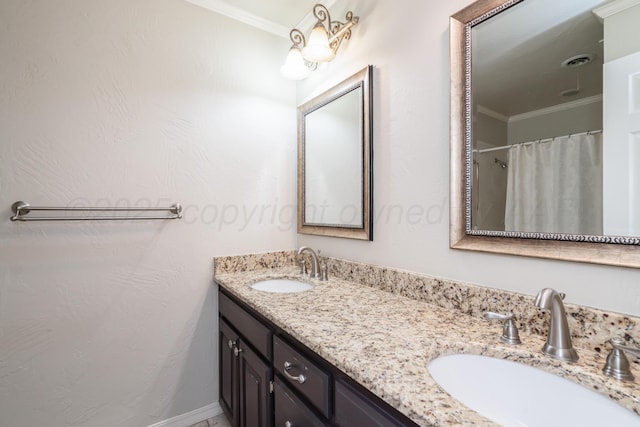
(360, 80)
(611, 250)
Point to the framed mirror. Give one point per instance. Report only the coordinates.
(545, 129)
(334, 161)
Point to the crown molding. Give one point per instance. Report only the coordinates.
(606, 10)
(233, 12)
(481, 109)
(556, 108)
(224, 8)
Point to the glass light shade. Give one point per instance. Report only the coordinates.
(294, 67)
(318, 49)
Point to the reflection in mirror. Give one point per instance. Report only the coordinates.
(543, 144)
(334, 161)
(537, 106)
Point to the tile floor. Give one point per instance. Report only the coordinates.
(219, 421)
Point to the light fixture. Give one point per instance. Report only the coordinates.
(324, 41)
(318, 48)
(295, 66)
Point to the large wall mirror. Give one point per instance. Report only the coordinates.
(545, 129)
(334, 161)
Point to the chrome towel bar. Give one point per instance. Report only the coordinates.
(21, 209)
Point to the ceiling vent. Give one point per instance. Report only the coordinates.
(577, 61)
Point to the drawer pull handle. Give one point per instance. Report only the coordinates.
(300, 378)
(288, 424)
(231, 344)
(237, 351)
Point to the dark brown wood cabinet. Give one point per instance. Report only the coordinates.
(267, 378)
(254, 391)
(354, 409)
(245, 374)
(289, 410)
(308, 378)
(228, 373)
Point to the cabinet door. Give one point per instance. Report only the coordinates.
(255, 396)
(229, 391)
(353, 408)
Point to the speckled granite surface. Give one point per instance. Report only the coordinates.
(590, 328)
(382, 327)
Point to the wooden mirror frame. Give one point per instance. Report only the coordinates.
(610, 250)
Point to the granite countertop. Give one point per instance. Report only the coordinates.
(385, 342)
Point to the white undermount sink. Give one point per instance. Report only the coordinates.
(282, 286)
(513, 394)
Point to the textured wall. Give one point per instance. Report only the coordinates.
(408, 43)
(129, 102)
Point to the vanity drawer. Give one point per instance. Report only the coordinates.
(354, 409)
(289, 410)
(254, 332)
(303, 375)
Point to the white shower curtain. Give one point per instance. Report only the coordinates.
(556, 186)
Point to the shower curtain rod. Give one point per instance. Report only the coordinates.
(504, 147)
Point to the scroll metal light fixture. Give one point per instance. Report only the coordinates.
(324, 41)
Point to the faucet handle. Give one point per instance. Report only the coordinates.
(617, 365)
(323, 272)
(510, 333)
(490, 315)
(303, 267)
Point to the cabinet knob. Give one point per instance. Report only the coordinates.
(231, 344)
(237, 351)
(300, 378)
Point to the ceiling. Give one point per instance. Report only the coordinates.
(274, 16)
(517, 56)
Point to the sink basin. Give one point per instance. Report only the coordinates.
(513, 394)
(282, 286)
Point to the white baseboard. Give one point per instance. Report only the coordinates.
(190, 418)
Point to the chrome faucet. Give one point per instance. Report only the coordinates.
(558, 343)
(315, 272)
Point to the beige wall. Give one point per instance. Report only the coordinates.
(581, 118)
(490, 195)
(408, 43)
(489, 179)
(489, 130)
(131, 102)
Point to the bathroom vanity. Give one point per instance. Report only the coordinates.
(355, 350)
(264, 368)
